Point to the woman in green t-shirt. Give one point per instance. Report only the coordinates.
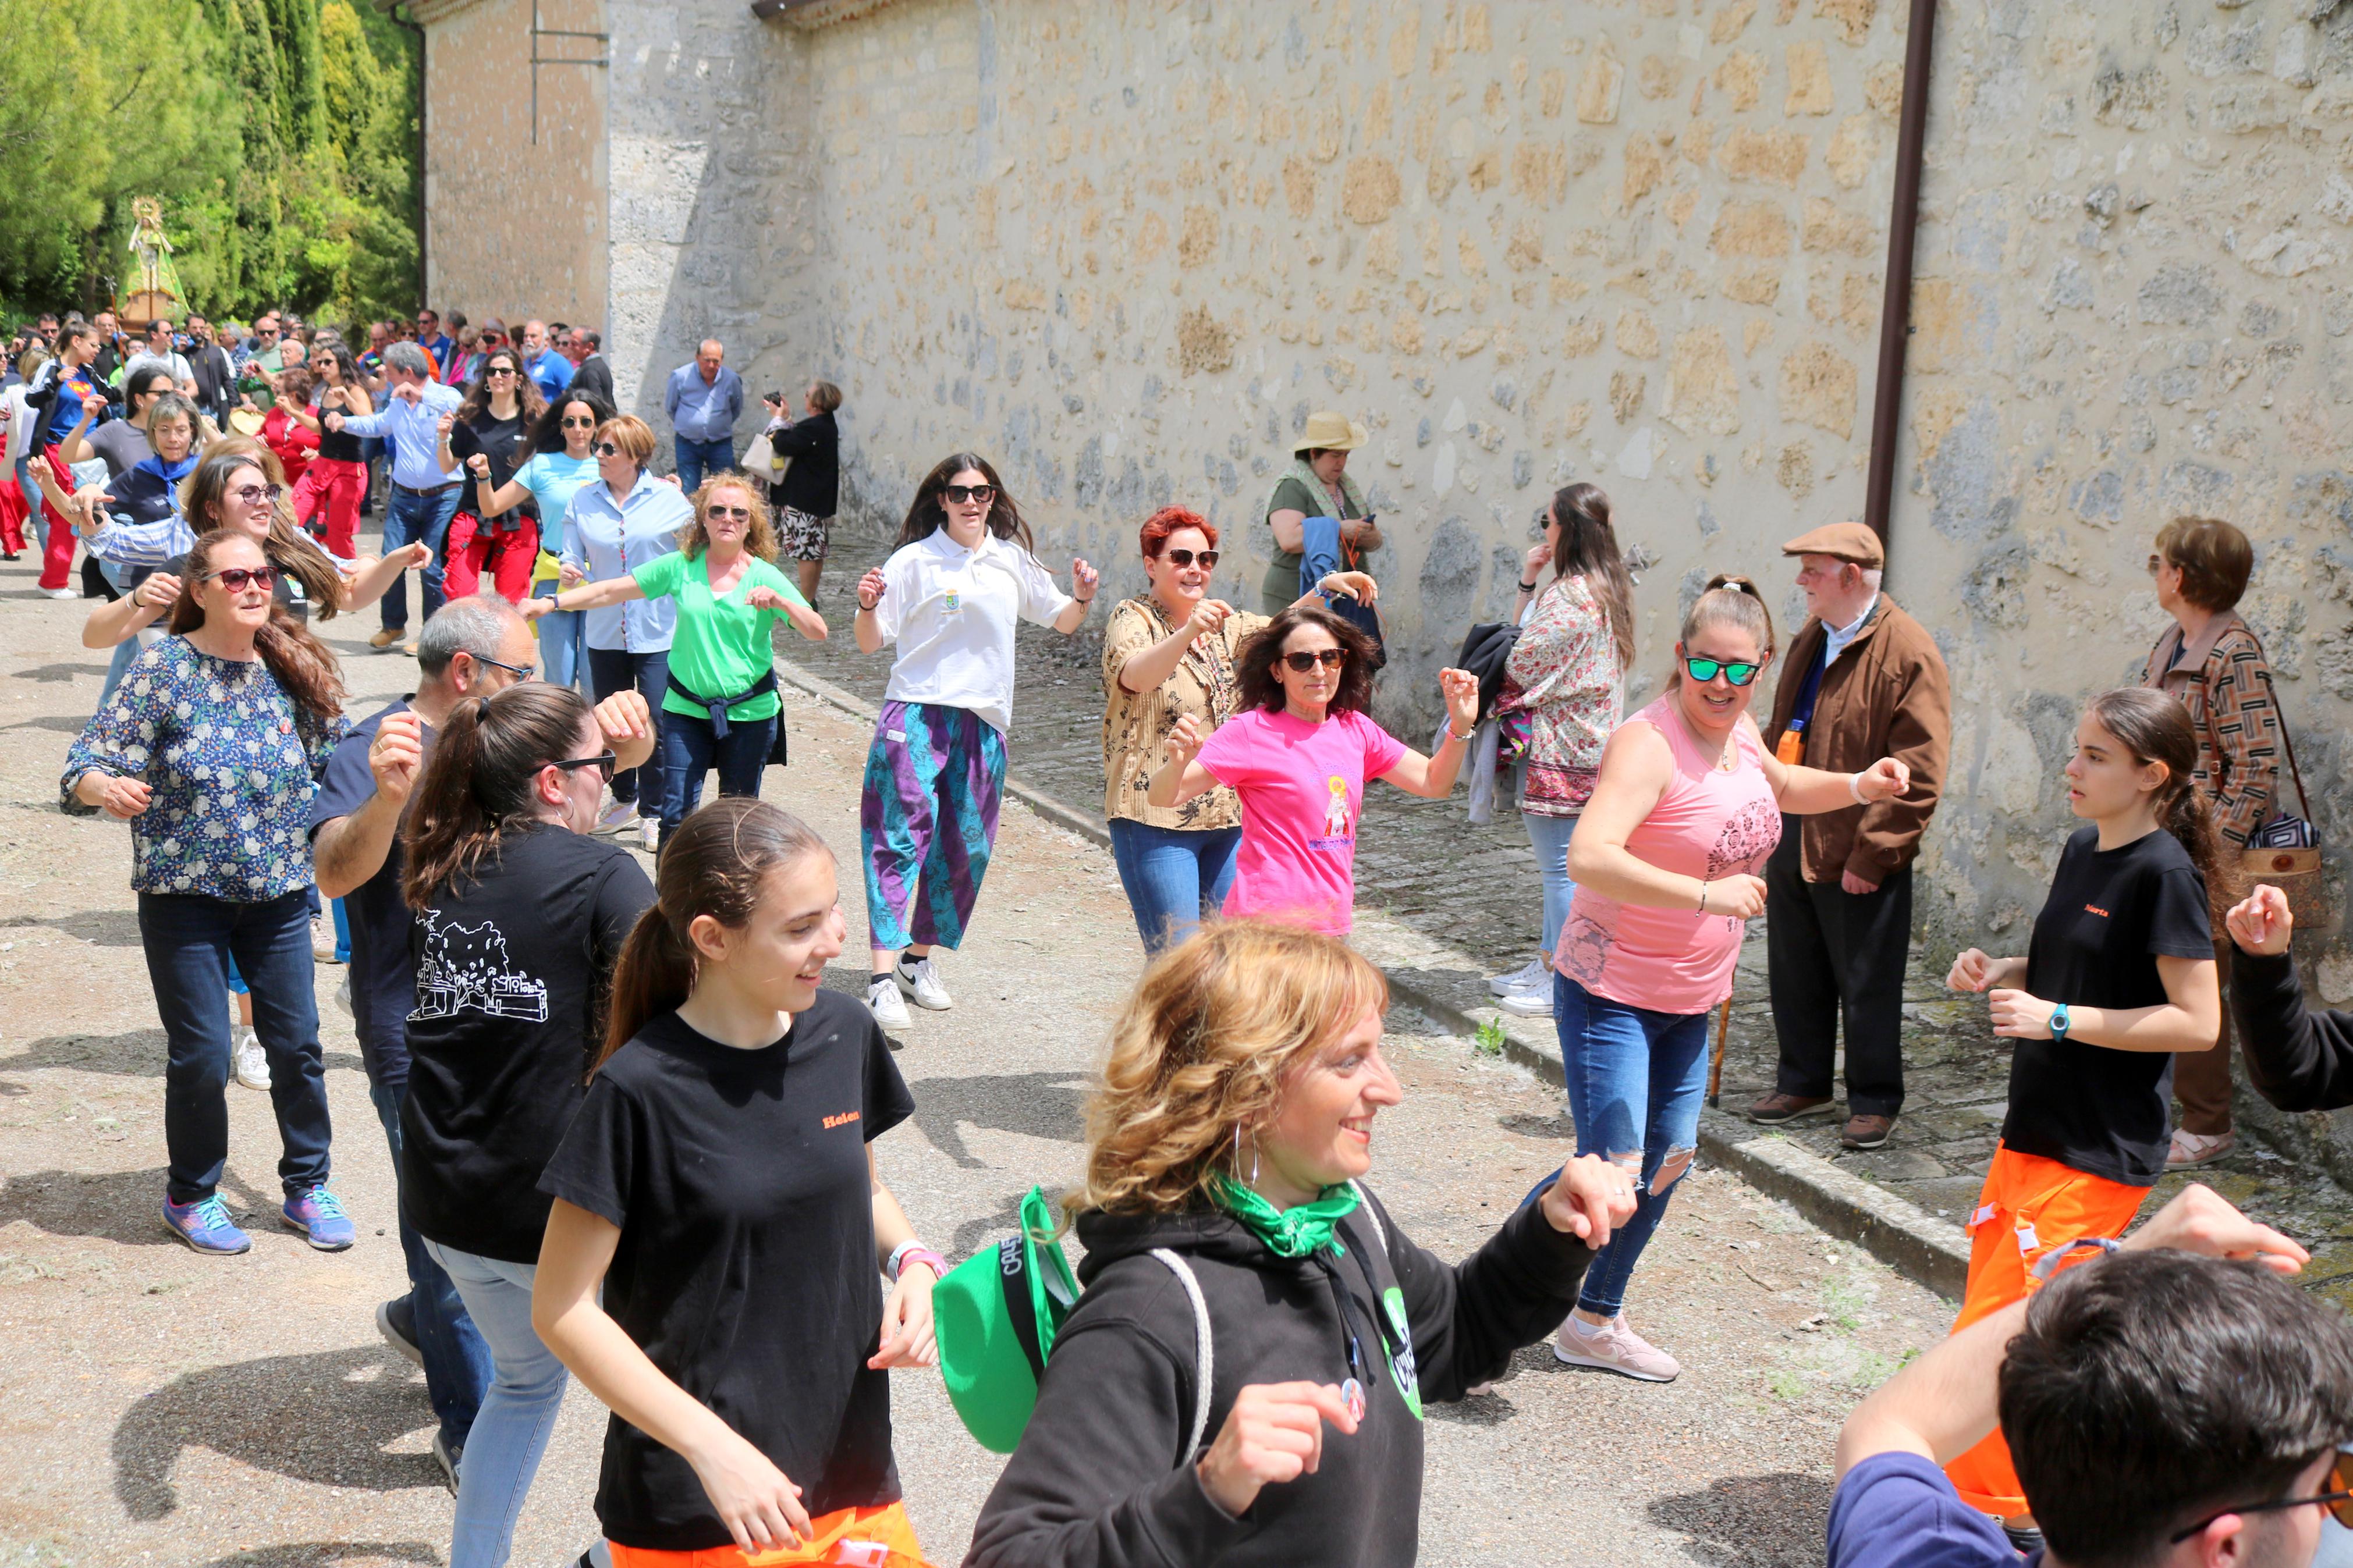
(1317, 485)
(721, 710)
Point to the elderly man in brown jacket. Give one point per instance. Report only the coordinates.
(1862, 680)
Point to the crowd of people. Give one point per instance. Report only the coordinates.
(633, 1131)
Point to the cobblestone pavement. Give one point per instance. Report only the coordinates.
(1475, 889)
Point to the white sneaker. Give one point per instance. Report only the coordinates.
(922, 982)
(1612, 1347)
(650, 833)
(252, 1061)
(1527, 1004)
(62, 593)
(616, 816)
(883, 998)
(344, 994)
(1529, 973)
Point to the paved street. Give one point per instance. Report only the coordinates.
(170, 1409)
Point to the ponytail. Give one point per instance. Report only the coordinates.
(478, 782)
(713, 864)
(2155, 728)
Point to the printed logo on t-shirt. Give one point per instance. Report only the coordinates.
(841, 1119)
(466, 967)
(2096, 910)
(1335, 817)
(951, 602)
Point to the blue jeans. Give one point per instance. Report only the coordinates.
(1636, 1080)
(1549, 837)
(612, 670)
(31, 490)
(1173, 876)
(457, 1362)
(563, 645)
(343, 931)
(689, 751)
(518, 1412)
(698, 459)
(127, 649)
(411, 519)
(189, 938)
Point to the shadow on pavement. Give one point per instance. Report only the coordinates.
(330, 1554)
(136, 1053)
(108, 928)
(1036, 1104)
(122, 1207)
(57, 673)
(1758, 1522)
(57, 724)
(1556, 1128)
(326, 1418)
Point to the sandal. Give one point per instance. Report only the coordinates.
(2191, 1150)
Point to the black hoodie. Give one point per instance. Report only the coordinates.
(2298, 1058)
(1099, 1481)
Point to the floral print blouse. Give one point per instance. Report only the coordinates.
(232, 761)
(1564, 675)
(1136, 723)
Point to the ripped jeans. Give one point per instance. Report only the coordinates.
(1636, 1080)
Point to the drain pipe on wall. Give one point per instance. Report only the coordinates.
(1895, 309)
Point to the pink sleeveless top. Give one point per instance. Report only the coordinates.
(1710, 825)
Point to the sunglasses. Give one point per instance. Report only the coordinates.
(602, 762)
(960, 494)
(492, 338)
(607, 450)
(1329, 657)
(1208, 557)
(237, 579)
(1706, 669)
(2338, 1499)
(499, 370)
(520, 671)
(741, 513)
(588, 424)
(259, 495)
(2155, 561)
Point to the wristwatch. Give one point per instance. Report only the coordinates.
(2060, 1022)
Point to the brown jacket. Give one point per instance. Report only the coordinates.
(1887, 696)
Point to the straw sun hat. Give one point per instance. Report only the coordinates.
(1333, 432)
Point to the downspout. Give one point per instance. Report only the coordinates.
(1895, 309)
(401, 19)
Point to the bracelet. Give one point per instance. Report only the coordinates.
(866, 608)
(1854, 788)
(1464, 740)
(908, 1252)
(1702, 899)
(1528, 587)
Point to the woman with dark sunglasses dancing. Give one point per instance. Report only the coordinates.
(1666, 857)
(1297, 755)
(1171, 652)
(559, 464)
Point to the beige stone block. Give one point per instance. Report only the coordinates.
(1470, 341)
(1478, 37)
(1563, 287)
(1741, 78)
(1699, 142)
(1581, 337)
(1196, 241)
(1467, 257)
(1940, 318)
(1574, 421)
(1369, 188)
(1852, 17)
(1659, 75)
(1883, 89)
(1759, 330)
(1702, 394)
(1021, 294)
(1859, 297)
(1405, 332)
(1751, 229)
(1809, 68)
(1381, 253)
(1486, 171)
(1753, 284)
(1638, 335)
(1553, 92)
(1644, 168)
(1828, 227)
(1730, 21)
(1852, 147)
(1540, 171)
(1627, 389)
(1678, 209)
(1817, 388)
(1151, 238)
(1526, 251)
(1299, 186)
(1376, 114)
(1405, 44)
(1602, 86)
(1204, 343)
(1795, 470)
(1778, 156)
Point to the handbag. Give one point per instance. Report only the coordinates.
(2285, 851)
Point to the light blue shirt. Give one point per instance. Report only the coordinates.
(605, 540)
(701, 411)
(414, 432)
(1835, 638)
(552, 371)
(553, 479)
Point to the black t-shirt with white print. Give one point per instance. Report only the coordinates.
(511, 973)
(746, 1268)
(2112, 914)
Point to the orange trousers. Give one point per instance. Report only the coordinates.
(848, 1538)
(2029, 1207)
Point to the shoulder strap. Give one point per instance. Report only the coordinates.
(1204, 1355)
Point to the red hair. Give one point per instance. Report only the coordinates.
(1153, 536)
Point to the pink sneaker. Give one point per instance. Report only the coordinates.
(1613, 1347)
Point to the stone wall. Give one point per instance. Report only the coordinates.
(515, 226)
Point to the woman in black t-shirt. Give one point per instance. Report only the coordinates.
(718, 1188)
(497, 410)
(2119, 975)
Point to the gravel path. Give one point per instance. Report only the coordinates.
(170, 1409)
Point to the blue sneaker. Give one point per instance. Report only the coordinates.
(205, 1227)
(320, 1219)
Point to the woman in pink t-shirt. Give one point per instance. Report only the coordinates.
(1666, 857)
(1297, 752)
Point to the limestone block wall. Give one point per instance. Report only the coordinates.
(514, 228)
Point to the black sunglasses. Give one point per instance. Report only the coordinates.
(602, 762)
(2339, 1499)
(520, 671)
(588, 424)
(1329, 657)
(741, 513)
(1705, 669)
(237, 579)
(499, 370)
(607, 450)
(1208, 557)
(984, 494)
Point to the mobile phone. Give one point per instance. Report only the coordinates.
(776, 397)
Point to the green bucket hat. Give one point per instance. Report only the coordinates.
(996, 1316)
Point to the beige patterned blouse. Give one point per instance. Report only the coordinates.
(1135, 724)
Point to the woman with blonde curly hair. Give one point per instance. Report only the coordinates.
(720, 707)
(1233, 1122)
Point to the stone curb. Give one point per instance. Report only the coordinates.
(1451, 986)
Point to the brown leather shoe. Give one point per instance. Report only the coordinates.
(383, 638)
(1865, 1131)
(1777, 1107)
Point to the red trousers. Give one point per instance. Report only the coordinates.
(13, 515)
(334, 487)
(508, 554)
(56, 562)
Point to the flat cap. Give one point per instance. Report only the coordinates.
(1844, 540)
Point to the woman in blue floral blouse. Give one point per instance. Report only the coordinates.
(210, 749)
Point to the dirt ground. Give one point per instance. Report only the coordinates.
(166, 1408)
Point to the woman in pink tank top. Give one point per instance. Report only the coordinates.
(1688, 805)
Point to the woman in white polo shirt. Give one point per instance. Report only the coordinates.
(949, 597)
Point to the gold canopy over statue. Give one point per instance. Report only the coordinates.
(154, 283)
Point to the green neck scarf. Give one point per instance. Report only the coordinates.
(1293, 1232)
(1305, 473)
